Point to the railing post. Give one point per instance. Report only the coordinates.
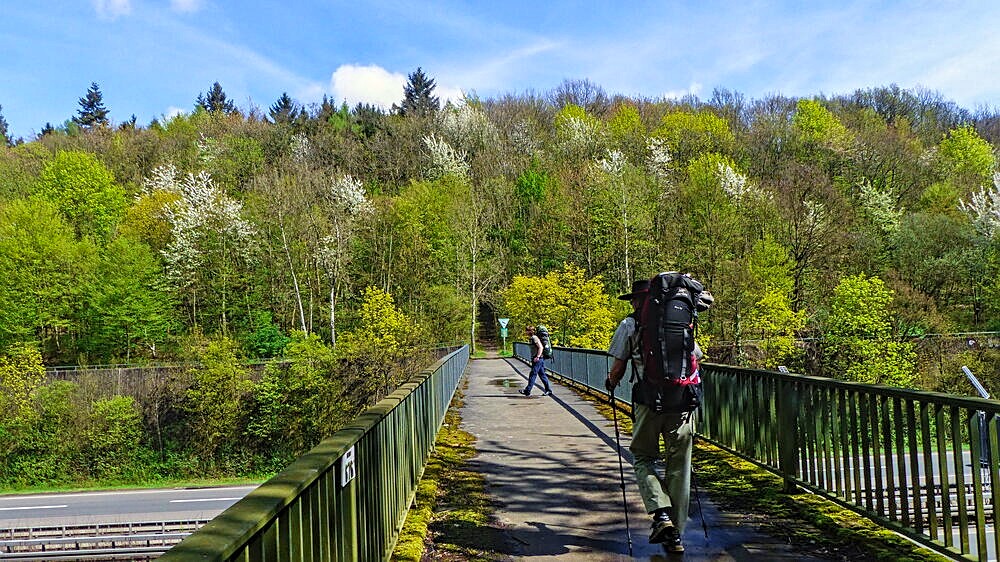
(787, 404)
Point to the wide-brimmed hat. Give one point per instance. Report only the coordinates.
(638, 287)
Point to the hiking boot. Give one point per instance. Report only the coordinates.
(524, 391)
(663, 529)
(672, 543)
(547, 393)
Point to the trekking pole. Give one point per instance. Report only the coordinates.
(621, 470)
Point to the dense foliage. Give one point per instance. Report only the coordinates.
(841, 236)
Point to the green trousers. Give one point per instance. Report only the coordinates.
(674, 490)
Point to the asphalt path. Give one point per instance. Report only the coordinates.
(124, 506)
(551, 465)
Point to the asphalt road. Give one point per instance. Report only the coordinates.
(124, 506)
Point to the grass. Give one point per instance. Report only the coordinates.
(810, 522)
(452, 515)
(188, 483)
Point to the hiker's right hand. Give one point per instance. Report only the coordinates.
(609, 384)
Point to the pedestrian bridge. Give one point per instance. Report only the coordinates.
(919, 463)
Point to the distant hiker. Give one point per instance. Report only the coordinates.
(662, 406)
(537, 363)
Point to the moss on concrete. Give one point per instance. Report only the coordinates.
(452, 515)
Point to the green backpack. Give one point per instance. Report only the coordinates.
(543, 335)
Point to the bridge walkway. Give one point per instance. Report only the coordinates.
(550, 464)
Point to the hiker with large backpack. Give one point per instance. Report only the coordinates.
(538, 356)
(658, 337)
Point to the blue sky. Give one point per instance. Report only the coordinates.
(153, 57)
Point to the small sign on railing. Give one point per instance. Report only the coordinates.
(348, 467)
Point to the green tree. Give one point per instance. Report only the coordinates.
(214, 400)
(21, 374)
(130, 310)
(85, 191)
(45, 273)
(818, 127)
(5, 137)
(92, 112)
(967, 160)
(215, 100)
(859, 342)
(688, 135)
(299, 401)
(573, 307)
(113, 437)
(418, 98)
(382, 336)
(285, 110)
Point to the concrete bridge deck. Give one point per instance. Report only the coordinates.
(551, 464)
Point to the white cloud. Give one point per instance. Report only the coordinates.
(693, 90)
(185, 6)
(111, 9)
(173, 112)
(376, 85)
(367, 84)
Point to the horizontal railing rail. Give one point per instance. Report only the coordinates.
(921, 463)
(346, 499)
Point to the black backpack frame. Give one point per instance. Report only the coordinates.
(666, 323)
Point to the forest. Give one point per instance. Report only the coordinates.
(852, 236)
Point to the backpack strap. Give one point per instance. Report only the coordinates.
(634, 344)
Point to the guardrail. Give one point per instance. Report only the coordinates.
(346, 499)
(134, 541)
(920, 463)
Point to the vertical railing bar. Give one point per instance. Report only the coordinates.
(844, 449)
(975, 447)
(867, 450)
(890, 479)
(929, 479)
(991, 430)
(944, 468)
(914, 456)
(959, 465)
(819, 426)
(874, 402)
(828, 441)
(901, 455)
(836, 433)
(809, 433)
(856, 459)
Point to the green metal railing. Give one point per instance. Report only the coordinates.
(921, 463)
(347, 498)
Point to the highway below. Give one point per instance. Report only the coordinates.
(120, 506)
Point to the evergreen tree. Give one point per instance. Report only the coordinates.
(128, 125)
(215, 100)
(326, 110)
(4, 134)
(92, 111)
(48, 129)
(369, 118)
(285, 110)
(417, 98)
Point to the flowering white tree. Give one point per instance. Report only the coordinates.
(209, 241)
(880, 207)
(445, 160)
(737, 186)
(348, 204)
(983, 208)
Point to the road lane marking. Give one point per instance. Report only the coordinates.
(124, 493)
(33, 507)
(206, 500)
